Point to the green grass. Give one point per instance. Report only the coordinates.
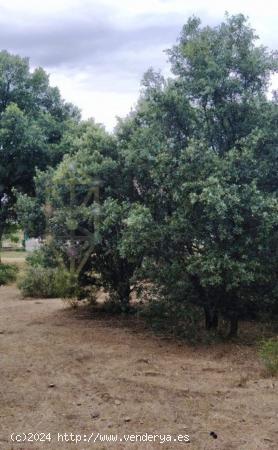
(17, 258)
(6, 254)
(268, 351)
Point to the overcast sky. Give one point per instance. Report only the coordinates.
(96, 51)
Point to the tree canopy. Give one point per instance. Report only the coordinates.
(187, 183)
(33, 122)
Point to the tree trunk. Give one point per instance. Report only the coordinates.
(214, 321)
(208, 318)
(124, 294)
(233, 327)
(211, 318)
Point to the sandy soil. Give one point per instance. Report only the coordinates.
(63, 372)
(13, 259)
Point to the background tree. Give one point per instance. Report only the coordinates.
(84, 233)
(225, 75)
(33, 121)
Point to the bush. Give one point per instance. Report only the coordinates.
(7, 273)
(43, 257)
(35, 259)
(172, 318)
(114, 305)
(38, 281)
(269, 354)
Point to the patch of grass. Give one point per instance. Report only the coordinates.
(268, 352)
(6, 254)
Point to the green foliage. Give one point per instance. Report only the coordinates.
(41, 282)
(268, 351)
(30, 215)
(207, 227)
(169, 316)
(185, 191)
(45, 256)
(8, 273)
(115, 305)
(84, 212)
(33, 122)
(115, 270)
(226, 74)
(47, 276)
(12, 233)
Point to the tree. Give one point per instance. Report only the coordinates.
(33, 121)
(84, 199)
(188, 183)
(225, 75)
(210, 195)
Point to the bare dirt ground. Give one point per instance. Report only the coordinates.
(62, 372)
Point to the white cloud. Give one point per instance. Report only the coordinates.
(106, 105)
(97, 50)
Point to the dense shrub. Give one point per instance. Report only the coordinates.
(43, 257)
(173, 318)
(269, 354)
(38, 281)
(114, 305)
(7, 273)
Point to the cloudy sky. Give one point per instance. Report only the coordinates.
(96, 51)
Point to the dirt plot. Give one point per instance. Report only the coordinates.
(62, 372)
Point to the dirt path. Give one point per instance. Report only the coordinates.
(115, 380)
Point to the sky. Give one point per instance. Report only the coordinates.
(96, 51)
